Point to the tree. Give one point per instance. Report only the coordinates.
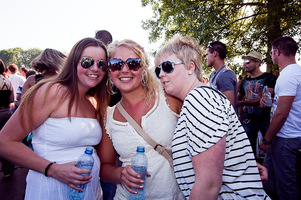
(19, 56)
(243, 25)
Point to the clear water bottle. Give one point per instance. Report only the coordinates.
(85, 161)
(139, 164)
(268, 97)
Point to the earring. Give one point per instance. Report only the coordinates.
(111, 88)
(143, 81)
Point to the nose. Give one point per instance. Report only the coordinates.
(124, 67)
(94, 67)
(162, 73)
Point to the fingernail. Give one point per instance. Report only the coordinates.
(138, 176)
(142, 181)
(141, 186)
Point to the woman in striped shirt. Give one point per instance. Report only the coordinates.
(212, 155)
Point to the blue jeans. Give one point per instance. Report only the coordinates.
(252, 126)
(281, 163)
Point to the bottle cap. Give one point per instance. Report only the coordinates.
(140, 149)
(89, 150)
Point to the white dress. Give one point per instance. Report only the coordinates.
(160, 124)
(61, 140)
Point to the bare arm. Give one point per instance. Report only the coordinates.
(283, 108)
(12, 148)
(230, 96)
(208, 167)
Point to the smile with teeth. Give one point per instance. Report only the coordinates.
(92, 75)
(125, 79)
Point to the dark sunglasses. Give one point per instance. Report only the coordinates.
(133, 64)
(167, 67)
(87, 62)
(247, 61)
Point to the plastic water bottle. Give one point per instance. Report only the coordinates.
(268, 97)
(139, 164)
(85, 161)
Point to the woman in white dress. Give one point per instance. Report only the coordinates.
(145, 101)
(64, 114)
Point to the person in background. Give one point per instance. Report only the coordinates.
(222, 78)
(23, 71)
(211, 152)
(144, 100)
(104, 36)
(6, 73)
(16, 80)
(283, 138)
(65, 114)
(47, 64)
(20, 88)
(6, 99)
(256, 118)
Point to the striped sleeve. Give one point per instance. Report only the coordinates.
(205, 120)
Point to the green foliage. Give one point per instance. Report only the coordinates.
(242, 25)
(19, 56)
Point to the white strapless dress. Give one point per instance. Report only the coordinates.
(61, 140)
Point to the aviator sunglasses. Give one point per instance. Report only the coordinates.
(167, 67)
(87, 62)
(133, 64)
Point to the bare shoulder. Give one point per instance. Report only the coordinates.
(50, 93)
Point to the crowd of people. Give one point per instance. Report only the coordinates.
(68, 103)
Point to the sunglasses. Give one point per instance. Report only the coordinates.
(167, 67)
(87, 62)
(247, 61)
(133, 64)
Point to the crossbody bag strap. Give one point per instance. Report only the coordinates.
(158, 147)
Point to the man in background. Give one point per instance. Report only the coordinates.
(283, 138)
(256, 118)
(222, 78)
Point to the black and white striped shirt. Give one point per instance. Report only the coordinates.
(206, 117)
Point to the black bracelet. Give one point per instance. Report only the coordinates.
(46, 169)
(264, 141)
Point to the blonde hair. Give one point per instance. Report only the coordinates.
(151, 84)
(185, 48)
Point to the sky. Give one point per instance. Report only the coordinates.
(59, 24)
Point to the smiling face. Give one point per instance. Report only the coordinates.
(173, 82)
(91, 77)
(126, 80)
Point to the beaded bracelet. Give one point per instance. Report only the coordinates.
(46, 169)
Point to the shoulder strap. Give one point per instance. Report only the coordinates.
(159, 148)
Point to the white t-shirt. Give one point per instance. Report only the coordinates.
(207, 116)
(16, 80)
(289, 84)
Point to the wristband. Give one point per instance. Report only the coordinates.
(46, 169)
(264, 141)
